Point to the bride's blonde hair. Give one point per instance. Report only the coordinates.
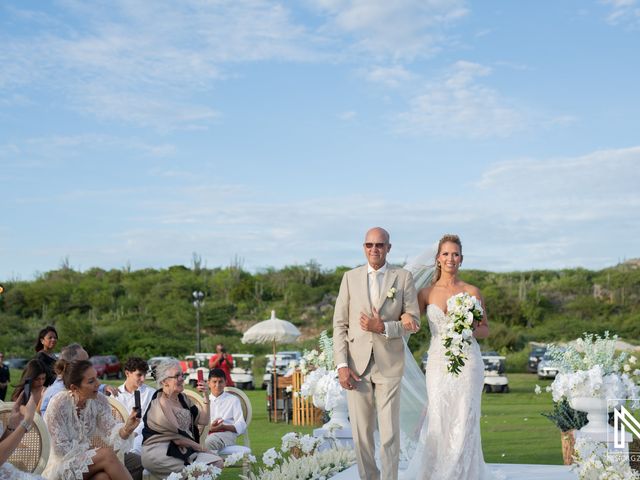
(449, 237)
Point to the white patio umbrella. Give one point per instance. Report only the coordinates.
(273, 330)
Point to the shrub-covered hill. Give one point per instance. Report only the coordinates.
(150, 312)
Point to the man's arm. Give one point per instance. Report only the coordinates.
(409, 306)
(341, 324)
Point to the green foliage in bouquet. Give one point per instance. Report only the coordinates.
(565, 417)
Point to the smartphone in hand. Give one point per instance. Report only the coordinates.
(200, 376)
(26, 391)
(138, 405)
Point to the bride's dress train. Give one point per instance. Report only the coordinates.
(449, 446)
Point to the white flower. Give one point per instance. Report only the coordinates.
(269, 457)
(392, 292)
(632, 360)
(627, 367)
(538, 390)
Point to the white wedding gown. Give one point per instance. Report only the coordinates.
(449, 446)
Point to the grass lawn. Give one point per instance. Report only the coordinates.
(513, 431)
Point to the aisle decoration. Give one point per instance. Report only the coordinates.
(196, 471)
(462, 311)
(593, 462)
(299, 459)
(321, 382)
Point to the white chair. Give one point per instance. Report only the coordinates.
(32, 454)
(247, 412)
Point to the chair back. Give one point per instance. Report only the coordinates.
(198, 400)
(247, 410)
(32, 454)
(120, 415)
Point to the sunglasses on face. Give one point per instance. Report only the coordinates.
(377, 245)
(177, 376)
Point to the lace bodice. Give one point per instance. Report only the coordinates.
(72, 432)
(437, 320)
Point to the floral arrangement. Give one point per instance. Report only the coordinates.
(591, 368)
(234, 458)
(196, 471)
(321, 378)
(300, 459)
(319, 359)
(593, 462)
(462, 310)
(566, 418)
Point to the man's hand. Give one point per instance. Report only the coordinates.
(216, 426)
(372, 323)
(346, 376)
(109, 390)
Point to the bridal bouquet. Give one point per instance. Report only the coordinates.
(462, 310)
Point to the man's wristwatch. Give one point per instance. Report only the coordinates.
(25, 425)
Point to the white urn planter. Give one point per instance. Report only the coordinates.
(597, 411)
(339, 416)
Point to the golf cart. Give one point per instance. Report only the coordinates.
(241, 373)
(198, 361)
(495, 379)
(285, 361)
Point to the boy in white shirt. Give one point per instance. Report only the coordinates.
(135, 371)
(227, 421)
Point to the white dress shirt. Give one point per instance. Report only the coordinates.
(228, 407)
(129, 401)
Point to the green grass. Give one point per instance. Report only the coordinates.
(513, 431)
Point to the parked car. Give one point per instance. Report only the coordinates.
(547, 368)
(535, 355)
(194, 363)
(153, 363)
(107, 366)
(17, 363)
(242, 371)
(494, 378)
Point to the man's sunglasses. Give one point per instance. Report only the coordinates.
(377, 245)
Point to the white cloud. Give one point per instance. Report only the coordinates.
(458, 105)
(393, 76)
(348, 115)
(399, 29)
(532, 213)
(623, 11)
(148, 64)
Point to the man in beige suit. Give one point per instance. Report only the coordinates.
(369, 352)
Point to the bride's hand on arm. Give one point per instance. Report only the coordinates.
(482, 328)
(408, 323)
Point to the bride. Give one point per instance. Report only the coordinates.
(448, 445)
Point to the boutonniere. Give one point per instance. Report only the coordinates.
(392, 293)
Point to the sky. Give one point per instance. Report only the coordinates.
(137, 133)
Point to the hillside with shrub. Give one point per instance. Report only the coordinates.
(150, 312)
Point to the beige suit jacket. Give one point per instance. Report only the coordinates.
(354, 346)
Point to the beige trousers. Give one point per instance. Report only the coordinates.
(376, 398)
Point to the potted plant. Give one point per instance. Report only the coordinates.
(567, 420)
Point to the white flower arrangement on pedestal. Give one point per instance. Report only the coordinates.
(462, 311)
(591, 368)
(321, 378)
(299, 459)
(594, 463)
(196, 471)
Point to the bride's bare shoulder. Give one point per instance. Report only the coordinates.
(472, 290)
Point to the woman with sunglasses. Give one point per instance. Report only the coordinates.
(171, 437)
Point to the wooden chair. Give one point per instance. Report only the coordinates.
(32, 453)
(247, 413)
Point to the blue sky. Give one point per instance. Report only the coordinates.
(136, 133)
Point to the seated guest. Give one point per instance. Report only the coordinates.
(171, 436)
(227, 420)
(75, 417)
(70, 353)
(5, 377)
(20, 422)
(36, 373)
(46, 342)
(135, 371)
